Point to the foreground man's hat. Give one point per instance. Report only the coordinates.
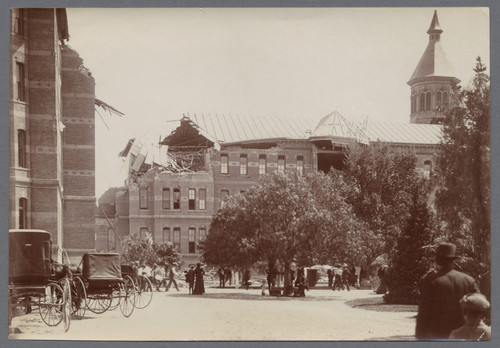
(446, 250)
(475, 301)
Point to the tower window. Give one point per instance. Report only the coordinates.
(191, 199)
(427, 101)
(445, 98)
(439, 99)
(177, 198)
(223, 163)
(421, 104)
(21, 148)
(243, 165)
(23, 213)
(262, 164)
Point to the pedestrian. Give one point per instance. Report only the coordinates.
(474, 307)
(158, 275)
(171, 277)
(330, 277)
(345, 277)
(228, 275)
(300, 283)
(221, 274)
(337, 278)
(439, 311)
(190, 278)
(270, 279)
(246, 279)
(199, 287)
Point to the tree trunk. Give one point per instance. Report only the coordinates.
(288, 288)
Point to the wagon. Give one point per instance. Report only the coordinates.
(104, 284)
(143, 286)
(30, 284)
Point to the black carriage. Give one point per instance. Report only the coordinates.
(105, 287)
(30, 283)
(143, 286)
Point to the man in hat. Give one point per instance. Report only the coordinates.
(474, 307)
(171, 277)
(439, 310)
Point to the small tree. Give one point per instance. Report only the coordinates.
(413, 257)
(167, 253)
(137, 248)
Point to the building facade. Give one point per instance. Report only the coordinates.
(52, 101)
(210, 157)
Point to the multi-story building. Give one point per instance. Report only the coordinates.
(52, 101)
(209, 157)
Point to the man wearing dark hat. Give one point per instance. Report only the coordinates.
(439, 310)
(474, 306)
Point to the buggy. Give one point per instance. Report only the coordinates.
(143, 286)
(30, 283)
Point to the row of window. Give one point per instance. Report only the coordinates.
(174, 202)
(423, 102)
(224, 164)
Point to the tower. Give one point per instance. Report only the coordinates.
(432, 81)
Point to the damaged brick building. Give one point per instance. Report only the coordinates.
(52, 135)
(174, 188)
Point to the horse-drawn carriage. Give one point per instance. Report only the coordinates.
(32, 280)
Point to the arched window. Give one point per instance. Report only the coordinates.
(445, 98)
(427, 101)
(23, 213)
(412, 101)
(438, 98)
(421, 104)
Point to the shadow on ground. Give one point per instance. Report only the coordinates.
(377, 304)
(257, 297)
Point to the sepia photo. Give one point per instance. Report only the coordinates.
(250, 174)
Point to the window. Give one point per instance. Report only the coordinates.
(143, 198)
(177, 198)
(223, 164)
(166, 198)
(20, 82)
(427, 169)
(111, 240)
(438, 98)
(300, 165)
(191, 199)
(243, 165)
(21, 148)
(191, 239)
(166, 235)
(23, 213)
(427, 101)
(412, 101)
(223, 197)
(143, 232)
(262, 164)
(177, 238)
(202, 234)
(281, 164)
(203, 199)
(445, 98)
(421, 104)
(19, 22)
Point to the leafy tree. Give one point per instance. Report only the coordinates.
(463, 169)
(143, 250)
(413, 256)
(167, 252)
(381, 183)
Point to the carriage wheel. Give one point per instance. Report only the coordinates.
(127, 294)
(51, 305)
(99, 303)
(78, 298)
(115, 300)
(144, 293)
(66, 286)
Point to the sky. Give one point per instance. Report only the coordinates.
(156, 64)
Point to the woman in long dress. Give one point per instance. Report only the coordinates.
(199, 287)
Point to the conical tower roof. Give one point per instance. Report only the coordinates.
(434, 61)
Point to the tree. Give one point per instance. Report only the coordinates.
(167, 252)
(463, 169)
(413, 257)
(381, 183)
(143, 250)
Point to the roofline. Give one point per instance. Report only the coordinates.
(428, 78)
(261, 140)
(27, 230)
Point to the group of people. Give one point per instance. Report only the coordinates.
(339, 277)
(161, 274)
(194, 279)
(451, 306)
(225, 276)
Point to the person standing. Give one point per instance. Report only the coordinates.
(439, 311)
(172, 272)
(330, 277)
(199, 287)
(190, 278)
(474, 306)
(228, 276)
(220, 272)
(345, 277)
